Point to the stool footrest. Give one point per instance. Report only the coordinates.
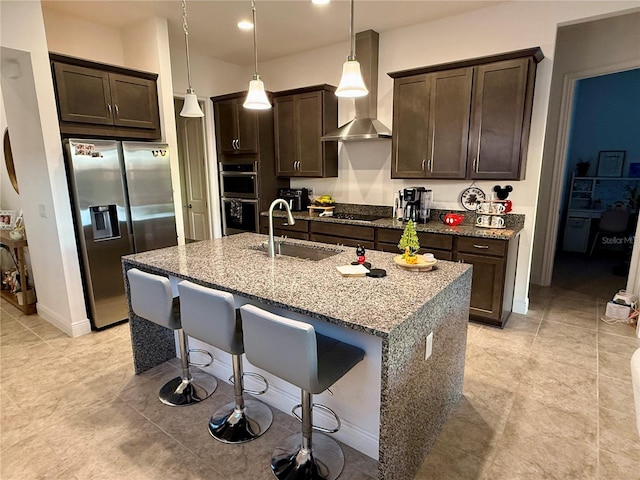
(254, 375)
(321, 407)
(199, 350)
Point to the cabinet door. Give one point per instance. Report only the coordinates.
(308, 109)
(236, 127)
(449, 124)
(411, 103)
(285, 126)
(247, 129)
(500, 94)
(83, 94)
(487, 285)
(134, 101)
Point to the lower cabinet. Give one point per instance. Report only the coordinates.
(440, 245)
(494, 266)
(299, 230)
(339, 234)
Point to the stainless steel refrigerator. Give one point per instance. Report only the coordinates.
(123, 203)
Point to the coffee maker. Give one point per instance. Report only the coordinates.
(417, 204)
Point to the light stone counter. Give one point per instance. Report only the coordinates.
(397, 311)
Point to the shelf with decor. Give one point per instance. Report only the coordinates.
(26, 302)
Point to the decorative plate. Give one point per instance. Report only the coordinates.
(470, 197)
(422, 266)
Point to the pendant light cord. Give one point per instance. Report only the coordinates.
(352, 38)
(255, 34)
(185, 27)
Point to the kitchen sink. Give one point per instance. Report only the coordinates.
(301, 251)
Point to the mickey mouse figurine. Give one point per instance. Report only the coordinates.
(360, 253)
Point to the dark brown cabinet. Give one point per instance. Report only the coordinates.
(302, 116)
(500, 119)
(299, 230)
(494, 265)
(431, 125)
(236, 127)
(467, 119)
(342, 234)
(104, 100)
(440, 245)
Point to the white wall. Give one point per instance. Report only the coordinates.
(35, 140)
(364, 168)
(77, 37)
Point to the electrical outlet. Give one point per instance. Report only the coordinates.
(42, 210)
(429, 346)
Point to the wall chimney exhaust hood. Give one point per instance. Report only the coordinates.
(365, 125)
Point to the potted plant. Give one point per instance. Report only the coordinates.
(409, 244)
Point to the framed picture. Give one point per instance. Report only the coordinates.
(7, 219)
(610, 163)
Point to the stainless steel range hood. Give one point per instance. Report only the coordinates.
(365, 126)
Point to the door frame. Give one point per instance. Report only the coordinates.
(211, 181)
(559, 165)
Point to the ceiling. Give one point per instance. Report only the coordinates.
(284, 27)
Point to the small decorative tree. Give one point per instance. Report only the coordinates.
(409, 243)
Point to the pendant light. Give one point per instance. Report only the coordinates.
(256, 97)
(351, 84)
(191, 107)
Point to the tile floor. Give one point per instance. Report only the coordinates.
(548, 397)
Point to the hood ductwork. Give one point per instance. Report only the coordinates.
(365, 125)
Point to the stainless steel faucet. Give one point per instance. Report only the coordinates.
(271, 247)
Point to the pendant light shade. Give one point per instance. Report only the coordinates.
(351, 84)
(191, 107)
(256, 97)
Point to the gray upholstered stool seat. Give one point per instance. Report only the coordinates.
(293, 351)
(210, 315)
(153, 300)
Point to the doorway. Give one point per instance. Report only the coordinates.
(601, 188)
(193, 175)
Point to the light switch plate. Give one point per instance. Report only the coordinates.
(429, 346)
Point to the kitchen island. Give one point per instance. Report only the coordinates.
(395, 402)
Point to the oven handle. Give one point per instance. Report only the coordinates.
(237, 174)
(243, 200)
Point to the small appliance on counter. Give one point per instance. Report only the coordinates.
(297, 198)
(417, 204)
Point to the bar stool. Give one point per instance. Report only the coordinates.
(293, 351)
(153, 300)
(210, 315)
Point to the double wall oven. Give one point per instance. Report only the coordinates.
(239, 197)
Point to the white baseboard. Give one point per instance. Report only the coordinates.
(75, 329)
(284, 397)
(520, 305)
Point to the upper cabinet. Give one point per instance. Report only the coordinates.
(467, 119)
(105, 100)
(431, 124)
(302, 117)
(236, 126)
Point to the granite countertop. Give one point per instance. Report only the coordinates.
(514, 222)
(314, 288)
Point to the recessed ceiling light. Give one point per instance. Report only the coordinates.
(245, 25)
(320, 2)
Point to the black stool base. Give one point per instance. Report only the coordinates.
(180, 393)
(230, 425)
(325, 461)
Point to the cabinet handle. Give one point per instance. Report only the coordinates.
(433, 145)
(476, 160)
(110, 112)
(117, 110)
(475, 164)
(423, 162)
(480, 246)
